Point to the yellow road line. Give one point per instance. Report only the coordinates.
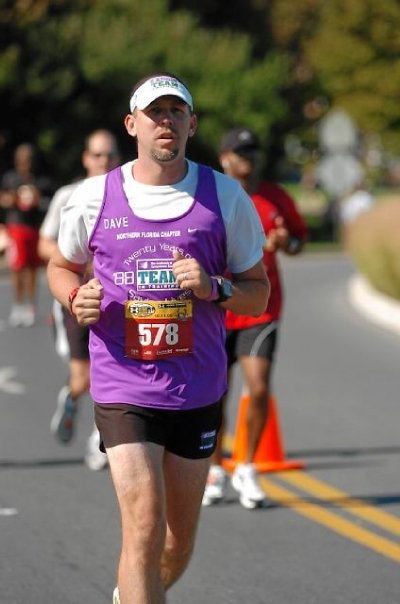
(334, 522)
(339, 498)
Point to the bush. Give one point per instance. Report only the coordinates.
(373, 243)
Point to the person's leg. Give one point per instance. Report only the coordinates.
(62, 424)
(79, 377)
(16, 313)
(184, 482)
(137, 473)
(256, 373)
(31, 283)
(256, 348)
(215, 489)
(18, 284)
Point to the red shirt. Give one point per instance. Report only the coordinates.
(271, 201)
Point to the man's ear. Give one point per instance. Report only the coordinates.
(130, 124)
(193, 125)
(224, 160)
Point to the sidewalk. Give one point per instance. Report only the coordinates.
(378, 308)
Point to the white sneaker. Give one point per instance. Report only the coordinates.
(244, 481)
(95, 459)
(16, 315)
(27, 316)
(116, 596)
(215, 486)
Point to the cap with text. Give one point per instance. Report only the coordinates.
(156, 87)
(239, 138)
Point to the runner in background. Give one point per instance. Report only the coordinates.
(252, 340)
(99, 156)
(24, 197)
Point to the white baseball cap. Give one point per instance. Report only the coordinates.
(158, 86)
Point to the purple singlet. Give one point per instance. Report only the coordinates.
(133, 259)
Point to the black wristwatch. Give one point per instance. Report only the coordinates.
(224, 288)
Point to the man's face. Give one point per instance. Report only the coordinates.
(162, 129)
(240, 164)
(100, 156)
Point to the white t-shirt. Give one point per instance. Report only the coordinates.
(51, 223)
(245, 235)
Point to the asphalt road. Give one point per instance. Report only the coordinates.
(331, 534)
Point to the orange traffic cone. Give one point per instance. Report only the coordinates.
(270, 455)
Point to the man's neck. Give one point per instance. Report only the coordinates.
(250, 184)
(159, 174)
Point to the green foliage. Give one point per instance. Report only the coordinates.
(355, 53)
(69, 67)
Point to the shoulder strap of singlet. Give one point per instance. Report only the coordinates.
(206, 190)
(113, 186)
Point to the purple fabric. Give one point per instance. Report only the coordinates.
(124, 248)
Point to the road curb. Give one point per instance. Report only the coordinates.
(375, 306)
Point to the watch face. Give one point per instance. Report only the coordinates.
(227, 289)
(224, 289)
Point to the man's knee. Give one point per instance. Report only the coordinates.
(174, 560)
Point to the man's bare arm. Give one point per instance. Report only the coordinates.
(251, 291)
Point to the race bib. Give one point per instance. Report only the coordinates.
(154, 330)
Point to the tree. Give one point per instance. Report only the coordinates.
(68, 67)
(355, 54)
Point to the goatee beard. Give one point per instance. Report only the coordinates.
(165, 155)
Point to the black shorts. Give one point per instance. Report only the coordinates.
(191, 434)
(78, 337)
(258, 341)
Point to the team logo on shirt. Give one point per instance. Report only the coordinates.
(155, 274)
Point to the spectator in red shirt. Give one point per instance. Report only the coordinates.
(252, 340)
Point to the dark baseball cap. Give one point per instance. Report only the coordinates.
(239, 139)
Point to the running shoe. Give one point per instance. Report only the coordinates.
(215, 486)
(94, 458)
(116, 596)
(63, 421)
(244, 481)
(16, 314)
(28, 316)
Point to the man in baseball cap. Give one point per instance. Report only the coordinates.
(239, 139)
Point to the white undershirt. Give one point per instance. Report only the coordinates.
(245, 236)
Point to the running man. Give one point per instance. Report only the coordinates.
(71, 339)
(161, 231)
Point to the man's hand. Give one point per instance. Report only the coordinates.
(189, 274)
(86, 304)
(277, 237)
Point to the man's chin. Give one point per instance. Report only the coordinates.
(165, 156)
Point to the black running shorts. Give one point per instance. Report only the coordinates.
(258, 341)
(191, 434)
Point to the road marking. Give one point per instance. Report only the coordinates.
(339, 498)
(8, 511)
(7, 384)
(331, 520)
